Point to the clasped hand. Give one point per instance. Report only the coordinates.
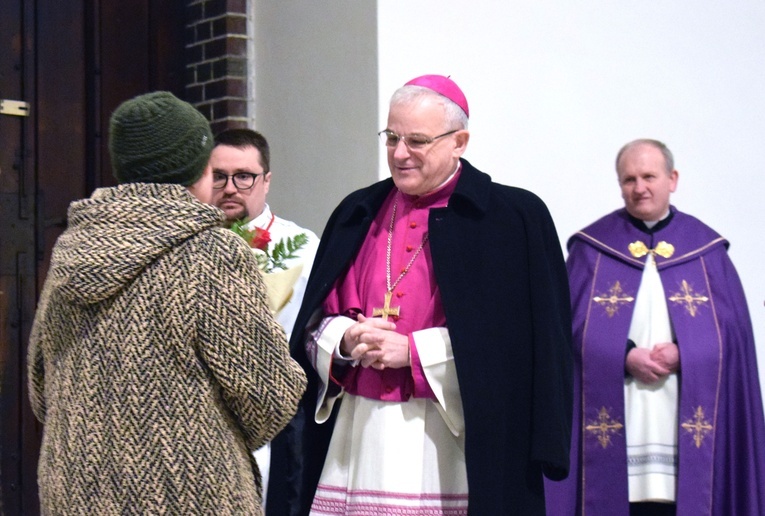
(651, 365)
(375, 343)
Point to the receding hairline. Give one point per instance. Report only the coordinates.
(669, 159)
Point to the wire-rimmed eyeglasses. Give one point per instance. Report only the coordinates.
(241, 180)
(413, 141)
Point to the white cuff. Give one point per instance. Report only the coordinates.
(328, 344)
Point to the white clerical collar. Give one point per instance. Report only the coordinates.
(652, 223)
(262, 220)
(448, 179)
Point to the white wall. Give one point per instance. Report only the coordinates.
(315, 93)
(556, 87)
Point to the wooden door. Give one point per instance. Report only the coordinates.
(72, 62)
(19, 433)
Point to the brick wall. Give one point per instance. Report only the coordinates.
(216, 50)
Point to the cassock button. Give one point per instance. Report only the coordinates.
(409, 248)
(412, 225)
(399, 294)
(388, 389)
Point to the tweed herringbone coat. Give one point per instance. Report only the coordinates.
(154, 362)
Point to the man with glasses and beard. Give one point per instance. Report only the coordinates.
(435, 331)
(241, 167)
(241, 163)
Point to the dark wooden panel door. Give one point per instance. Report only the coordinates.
(19, 433)
(73, 62)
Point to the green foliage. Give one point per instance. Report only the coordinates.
(239, 228)
(257, 239)
(286, 250)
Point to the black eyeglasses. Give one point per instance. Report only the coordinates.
(413, 141)
(241, 180)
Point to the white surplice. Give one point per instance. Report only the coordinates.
(651, 410)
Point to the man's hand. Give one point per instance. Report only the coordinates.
(375, 343)
(667, 355)
(643, 367)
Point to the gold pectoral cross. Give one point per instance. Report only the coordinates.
(386, 310)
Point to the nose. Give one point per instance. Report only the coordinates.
(639, 185)
(230, 188)
(400, 151)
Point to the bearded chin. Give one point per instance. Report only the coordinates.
(232, 217)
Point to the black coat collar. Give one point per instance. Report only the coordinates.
(471, 193)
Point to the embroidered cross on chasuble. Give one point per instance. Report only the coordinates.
(718, 471)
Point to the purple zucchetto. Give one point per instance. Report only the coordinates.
(443, 86)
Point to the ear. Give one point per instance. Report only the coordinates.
(461, 140)
(673, 177)
(266, 181)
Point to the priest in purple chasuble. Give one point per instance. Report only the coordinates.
(436, 337)
(668, 412)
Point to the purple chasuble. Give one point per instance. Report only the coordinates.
(721, 430)
(416, 295)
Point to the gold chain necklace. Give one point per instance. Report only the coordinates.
(386, 310)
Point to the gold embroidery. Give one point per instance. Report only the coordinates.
(603, 427)
(638, 249)
(612, 300)
(698, 426)
(689, 297)
(664, 249)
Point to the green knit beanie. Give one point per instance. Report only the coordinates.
(158, 138)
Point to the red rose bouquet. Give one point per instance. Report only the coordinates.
(276, 258)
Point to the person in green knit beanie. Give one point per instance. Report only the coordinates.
(154, 362)
(157, 138)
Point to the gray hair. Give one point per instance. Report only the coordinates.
(453, 114)
(669, 160)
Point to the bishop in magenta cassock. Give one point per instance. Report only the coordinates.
(437, 336)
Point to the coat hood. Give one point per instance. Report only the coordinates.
(117, 232)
